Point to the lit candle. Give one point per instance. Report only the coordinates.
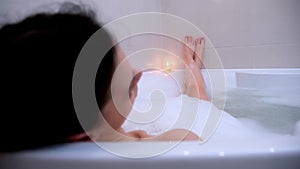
(168, 67)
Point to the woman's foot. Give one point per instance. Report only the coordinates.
(199, 51)
(189, 48)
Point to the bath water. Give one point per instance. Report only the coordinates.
(276, 110)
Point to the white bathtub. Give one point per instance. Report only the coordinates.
(280, 152)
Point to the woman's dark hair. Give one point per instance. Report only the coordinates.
(38, 56)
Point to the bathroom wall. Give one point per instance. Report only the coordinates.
(107, 10)
(246, 34)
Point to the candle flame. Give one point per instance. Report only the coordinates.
(168, 67)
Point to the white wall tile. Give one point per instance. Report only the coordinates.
(235, 57)
(140, 42)
(273, 56)
(113, 9)
(262, 56)
(194, 11)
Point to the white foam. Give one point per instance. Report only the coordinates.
(248, 104)
(228, 129)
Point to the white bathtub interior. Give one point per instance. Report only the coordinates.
(273, 109)
(271, 97)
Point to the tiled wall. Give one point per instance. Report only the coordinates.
(107, 10)
(246, 34)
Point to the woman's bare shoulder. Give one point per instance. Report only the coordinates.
(178, 134)
(171, 135)
(140, 134)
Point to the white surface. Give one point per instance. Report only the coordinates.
(164, 120)
(281, 153)
(157, 80)
(238, 23)
(268, 151)
(247, 34)
(229, 127)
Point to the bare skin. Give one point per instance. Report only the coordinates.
(194, 82)
(110, 129)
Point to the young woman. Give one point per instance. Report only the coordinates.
(38, 58)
